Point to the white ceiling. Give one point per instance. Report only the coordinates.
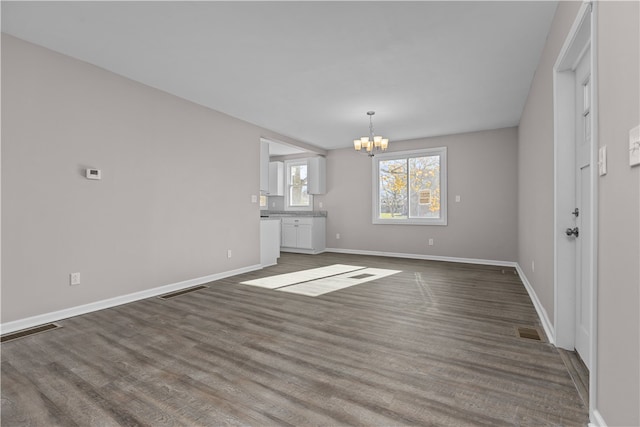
(311, 70)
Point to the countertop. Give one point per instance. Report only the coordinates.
(265, 214)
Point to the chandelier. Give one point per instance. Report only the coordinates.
(371, 142)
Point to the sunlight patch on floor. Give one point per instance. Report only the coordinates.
(287, 279)
(320, 281)
(325, 285)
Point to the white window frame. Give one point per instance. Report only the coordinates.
(287, 169)
(375, 167)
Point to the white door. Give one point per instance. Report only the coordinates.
(582, 214)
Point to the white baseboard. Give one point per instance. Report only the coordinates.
(542, 313)
(425, 257)
(301, 251)
(597, 419)
(54, 316)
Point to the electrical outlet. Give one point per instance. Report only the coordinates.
(74, 279)
(337, 236)
(228, 253)
(430, 242)
(533, 266)
(254, 198)
(320, 205)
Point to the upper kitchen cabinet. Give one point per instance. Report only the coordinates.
(264, 166)
(276, 178)
(317, 182)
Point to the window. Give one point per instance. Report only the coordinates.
(410, 187)
(296, 196)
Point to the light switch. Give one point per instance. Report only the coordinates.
(457, 199)
(634, 146)
(602, 161)
(254, 198)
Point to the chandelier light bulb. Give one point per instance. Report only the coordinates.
(372, 141)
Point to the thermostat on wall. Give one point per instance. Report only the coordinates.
(94, 174)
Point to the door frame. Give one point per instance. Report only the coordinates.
(581, 36)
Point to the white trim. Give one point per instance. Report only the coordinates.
(542, 313)
(301, 250)
(597, 420)
(595, 142)
(55, 316)
(425, 257)
(287, 184)
(584, 50)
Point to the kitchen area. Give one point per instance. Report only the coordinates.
(289, 178)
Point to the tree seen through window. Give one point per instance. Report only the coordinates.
(409, 187)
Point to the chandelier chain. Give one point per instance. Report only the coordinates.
(371, 126)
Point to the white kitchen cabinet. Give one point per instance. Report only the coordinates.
(264, 166)
(303, 234)
(305, 237)
(317, 170)
(289, 235)
(269, 241)
(276, 178)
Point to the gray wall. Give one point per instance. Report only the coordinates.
(481, 169)
(619, 221)
(618, 360)
(175, 194)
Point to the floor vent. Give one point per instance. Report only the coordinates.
(529, 333)
(182, 292)
(28, 332)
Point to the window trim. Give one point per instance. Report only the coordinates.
(287, 166)
(375, 185)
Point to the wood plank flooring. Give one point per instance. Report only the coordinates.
(433, 345)
(578, 373)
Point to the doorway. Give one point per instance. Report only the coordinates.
(575, 194)
(579, 228)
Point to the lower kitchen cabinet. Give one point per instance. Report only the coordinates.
(269, 242)
(303, 234)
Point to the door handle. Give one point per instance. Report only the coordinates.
(572, 231)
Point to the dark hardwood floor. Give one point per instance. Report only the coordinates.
(434, 345)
